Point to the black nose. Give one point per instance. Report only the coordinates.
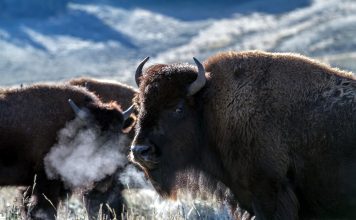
(145, 155)
(140, 151)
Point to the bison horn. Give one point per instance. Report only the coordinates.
(79, 112)
(200, 81)
(139, 70)
(128, 112)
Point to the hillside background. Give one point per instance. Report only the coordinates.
(50, 40)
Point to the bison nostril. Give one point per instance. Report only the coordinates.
(145, 151)
(142, 151)
(144, 155)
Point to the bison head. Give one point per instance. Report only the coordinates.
(169, 132)
(108, 117)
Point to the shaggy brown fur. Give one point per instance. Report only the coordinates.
(29, 121)
(107, 91)
(278, 129)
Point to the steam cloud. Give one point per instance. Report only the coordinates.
(132, 178)
(82, 156)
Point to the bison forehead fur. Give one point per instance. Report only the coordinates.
(278, 129)
(162, 82)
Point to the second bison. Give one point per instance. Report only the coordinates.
(278, 129)
(30, 119)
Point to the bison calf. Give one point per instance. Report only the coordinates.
(278, 129)
(30, 119)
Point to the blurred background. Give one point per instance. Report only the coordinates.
(50, 40)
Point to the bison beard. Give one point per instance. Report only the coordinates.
(278, 129)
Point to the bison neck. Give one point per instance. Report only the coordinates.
(229, 165)
(222, 160)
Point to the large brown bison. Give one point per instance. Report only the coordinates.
(30, 119)
(109, 190)
(278, 129)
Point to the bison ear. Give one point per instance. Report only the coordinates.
(129, 123)
(129, 119)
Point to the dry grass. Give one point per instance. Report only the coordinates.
(9, 204)
(142, 204)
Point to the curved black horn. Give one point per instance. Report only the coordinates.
(139, 70)
(200, 81)
(79, 112)
(126, 114)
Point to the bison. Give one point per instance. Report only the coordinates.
(107, 91)
(109, 190)
(30, 119)
(278, 129)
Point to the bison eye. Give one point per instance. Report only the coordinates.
(179, 110)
